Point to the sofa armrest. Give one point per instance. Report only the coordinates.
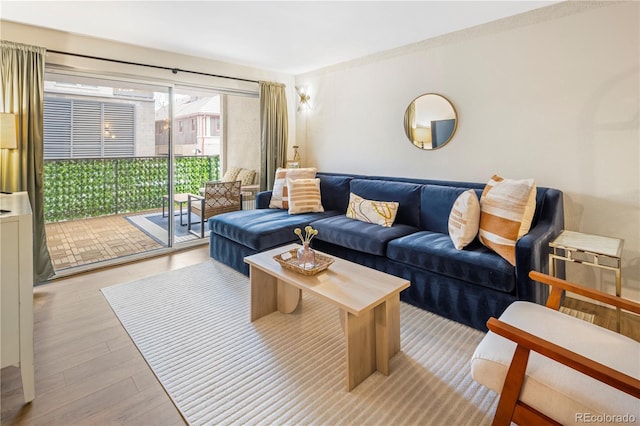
(532, 250)
(263, 199)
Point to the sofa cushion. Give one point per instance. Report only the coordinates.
(435, 206)
(262, 229)
(435, 252)
(407, 194)
(359, 236)
(381, 213)
(334, 190)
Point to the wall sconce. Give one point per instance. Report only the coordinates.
(8, 139)
(304, 101)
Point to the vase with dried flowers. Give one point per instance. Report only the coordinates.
(306, 255)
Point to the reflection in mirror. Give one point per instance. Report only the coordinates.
(430, 121)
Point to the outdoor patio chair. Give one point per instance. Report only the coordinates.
(218, 197)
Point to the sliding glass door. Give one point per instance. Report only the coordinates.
(111, 167)
(124, 159)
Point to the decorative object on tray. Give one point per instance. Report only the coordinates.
(304, 260)
(306, 255)
(289, 260)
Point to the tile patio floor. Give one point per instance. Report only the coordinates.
(84, 241)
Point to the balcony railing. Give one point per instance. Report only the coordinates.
(89, 187)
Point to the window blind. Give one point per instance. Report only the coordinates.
(88, 129)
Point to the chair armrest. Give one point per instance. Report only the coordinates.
(564, 356)
(558, 285)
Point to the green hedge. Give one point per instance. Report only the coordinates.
(80, 188)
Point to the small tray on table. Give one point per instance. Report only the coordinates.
(289, 260)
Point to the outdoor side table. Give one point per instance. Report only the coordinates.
(592, 250)
(180, 199)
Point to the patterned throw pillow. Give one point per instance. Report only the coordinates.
(379, 212)
(245, 176)
(304, 196)
(231, 175)
(279, 195)
(506, 211)
(464, 219)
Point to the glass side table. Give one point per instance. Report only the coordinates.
(593, 250)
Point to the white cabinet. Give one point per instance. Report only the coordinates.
(16, 283)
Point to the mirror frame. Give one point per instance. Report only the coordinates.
(406, 119)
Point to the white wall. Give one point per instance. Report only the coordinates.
(552, 94)
(242, 127)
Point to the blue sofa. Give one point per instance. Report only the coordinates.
(467, 286)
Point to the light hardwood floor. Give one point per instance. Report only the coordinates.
(88, 371)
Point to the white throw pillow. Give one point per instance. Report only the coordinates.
(279, 195)
(464, 219)
(304, 196)
(382, 213)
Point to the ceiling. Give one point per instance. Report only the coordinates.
(284, 36)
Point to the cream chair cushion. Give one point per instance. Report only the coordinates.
(279, 195)
(304, 196)
(464, 219)
(506, 211)
(550, 387)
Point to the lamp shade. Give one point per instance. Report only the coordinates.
(8, 139)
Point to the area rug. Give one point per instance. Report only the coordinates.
(192, 327)
(155, 226)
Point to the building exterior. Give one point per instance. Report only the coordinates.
(198, 127)
(91, 121)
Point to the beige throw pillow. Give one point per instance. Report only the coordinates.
(464, 219)
(231, 174)
(246, 176)
(379, 212)
(506, 211)
(304, 196)
(279, 195)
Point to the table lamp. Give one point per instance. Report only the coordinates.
(8, 139)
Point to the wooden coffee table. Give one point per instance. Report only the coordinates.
(369, 303)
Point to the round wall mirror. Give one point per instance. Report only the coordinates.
(430, 121)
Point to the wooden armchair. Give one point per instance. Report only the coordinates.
(218, 197)
(551, 368)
